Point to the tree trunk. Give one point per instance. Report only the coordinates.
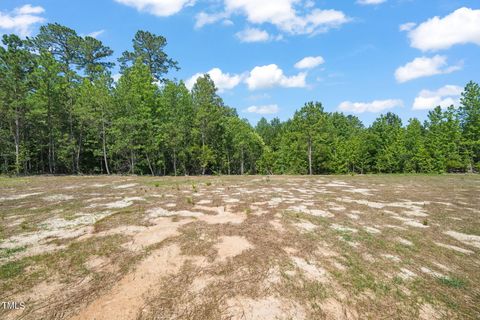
(203, 150)
(50, 135)
(150, 165)
(104, 145)
(310, 171)
(17, 145)
(228, 163)
(77, 156)
(242, 164)
(175, 161)
(132, 162)
(53, 157)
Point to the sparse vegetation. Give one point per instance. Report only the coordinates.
(311, 246)
(453, 282)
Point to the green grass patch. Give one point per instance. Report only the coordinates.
(5, 253)
(11, 269)
(456, 283)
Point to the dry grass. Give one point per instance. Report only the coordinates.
(339, 247)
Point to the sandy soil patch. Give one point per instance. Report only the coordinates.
(58, 197)
(19, 196)
(431, 272)
(204, 201)
(124, 203)
(405, 241)
(365, 192)
(221, 215)
(469, 239)
(341, 228)
(36, 242)
(392, 257)
(410, 222)
(164, 228)
(334, 309)
(311, 271)
(313, 212)
(231, 200)
(448, 246)
(244, 308)
(231, 246)
(160, 212)
(126, 186)
(428, 312)
(81, 219)
(274, 202)
(371, 204)
(406, 274)
(304, 225)
(126, 298)
(372, 230)
(277, 225)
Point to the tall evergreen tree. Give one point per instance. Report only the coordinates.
(16, 69)
(469, 115)
(149, 48)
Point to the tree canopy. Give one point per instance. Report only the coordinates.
(62, 113)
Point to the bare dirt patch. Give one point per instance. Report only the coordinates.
(231, 246)
(217, 248)
(125, 299)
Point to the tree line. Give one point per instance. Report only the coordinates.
(61, 112)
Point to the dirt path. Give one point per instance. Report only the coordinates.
(126, 299)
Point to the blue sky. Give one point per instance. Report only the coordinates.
(364, 57)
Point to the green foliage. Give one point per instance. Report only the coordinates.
(5, 253)
(11, 269)
(61, 112)
(452, 282)
(469, 117)
(149, 49)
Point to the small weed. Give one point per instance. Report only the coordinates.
(452, 282)
(347, 236)
(208, 184)
(425, 222)
(11, 269)
(5, 253)
(190, 200)
(194, 187)
(157, 184)
(397, 280)
(24, 226)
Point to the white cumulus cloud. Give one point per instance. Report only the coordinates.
(223, 81)
(459, 27)
(374, 106)
(444, 97)
(253, 35)
(271, 75)
(309, 62)
(22, 19)
(161, 8)
(267, 109)
(29, 9)
(407, 26)
(290, 16)
(370, 2)
(204, 18)
(424, 67)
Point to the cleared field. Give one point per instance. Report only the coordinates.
(326, 247)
